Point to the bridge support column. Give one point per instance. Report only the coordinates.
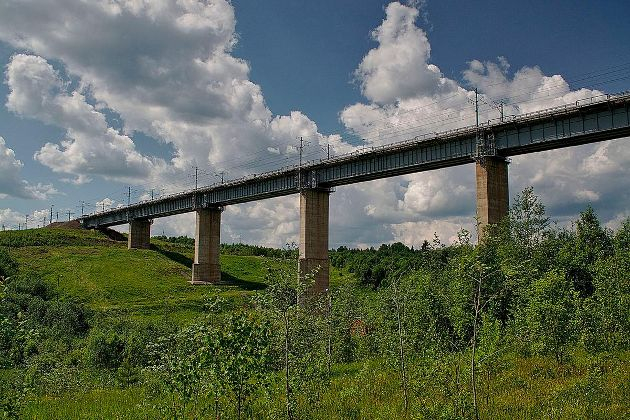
(492, 191)
(314, 237)
(206, 267)
(139, 234)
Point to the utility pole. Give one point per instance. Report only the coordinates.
(327, 150)
(476, 108)
(51, 212)
(478, 144)
(302, 144)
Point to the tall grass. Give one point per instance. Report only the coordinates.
(521, 388)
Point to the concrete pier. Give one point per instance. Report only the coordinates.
(206, 267)
(314, 237)
(492, 191)
(139, 234)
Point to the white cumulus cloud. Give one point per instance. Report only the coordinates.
(398, 68)
(166, 70)
(13, 220)
(90, 147)
(11, 183)
(104, 204)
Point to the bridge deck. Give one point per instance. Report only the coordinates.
(589, 121)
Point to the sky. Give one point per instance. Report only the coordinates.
(104, 97)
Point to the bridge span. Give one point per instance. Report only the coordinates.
(488, 146)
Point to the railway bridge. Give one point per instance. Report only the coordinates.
(488, 146)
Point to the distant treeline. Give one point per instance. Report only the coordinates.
(236, 249)
(371, 266)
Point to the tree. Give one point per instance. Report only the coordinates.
(127, 374)
(475, 274)
(348, 322)
(622, 237)
(398, 299)
(480, 293)
(590, 243)
(527, 220)
(178, 362)
(549, 315)
(605, 315)
(299, 318)
(238, 355)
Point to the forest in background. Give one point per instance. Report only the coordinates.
(533, 322)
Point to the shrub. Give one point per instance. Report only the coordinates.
(66, 318)
(104, 349)
(8, 266)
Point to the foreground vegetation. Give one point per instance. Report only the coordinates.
(532, 323)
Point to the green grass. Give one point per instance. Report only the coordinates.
(131, 403)
(52, 237)
(520, 388)
(115, 281)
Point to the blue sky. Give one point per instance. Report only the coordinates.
(303, 54)
(142, 93)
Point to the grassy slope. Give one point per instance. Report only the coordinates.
(109, 278)
(140, 283)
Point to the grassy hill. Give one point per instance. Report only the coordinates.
(102, 273)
